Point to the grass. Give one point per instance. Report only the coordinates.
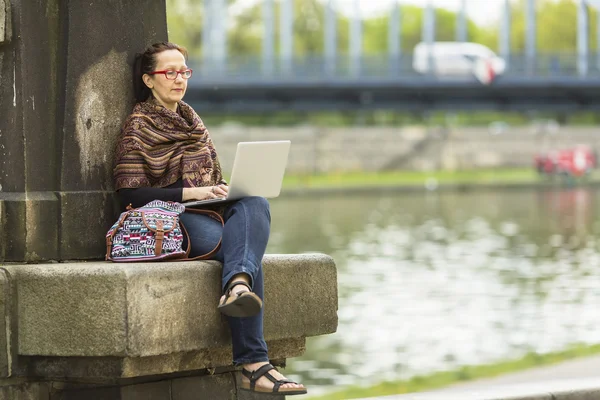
(441, 379)
(413, 178)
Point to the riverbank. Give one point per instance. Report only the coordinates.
(409, 181)
(461, 375)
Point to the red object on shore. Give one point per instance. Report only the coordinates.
(574, 162)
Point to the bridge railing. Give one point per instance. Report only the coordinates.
(252, 68)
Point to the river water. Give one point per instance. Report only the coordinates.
(432, 281)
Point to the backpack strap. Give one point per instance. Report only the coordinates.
(214, 215)
(109, 239)
(160, 235)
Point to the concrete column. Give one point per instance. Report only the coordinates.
(583, 31)
(428, 31)
(5, 21)
(355, 40)
(461, 23)
(530, 38)
(330, 38)
(268, 43)
(65, 90)
(394, 39)
(207, 47)
(504, 44)
(286, 36)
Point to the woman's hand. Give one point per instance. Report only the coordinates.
(205, 192)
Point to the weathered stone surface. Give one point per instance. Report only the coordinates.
(3, 16)
(106, 393)
(303, 294)
(29, 225)
(85, 217)
(98, 82)
(152, 318)
(206, 358)
(5, 325)
(26, 391)
(209, 387)
(79, 307)
(65, 90)
(109, 369)
(148, 391)
(3, 231)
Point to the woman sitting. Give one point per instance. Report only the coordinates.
(165, 152)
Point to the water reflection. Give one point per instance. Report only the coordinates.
(432, 281)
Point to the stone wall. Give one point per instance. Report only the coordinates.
(326, 150)
(65, 89)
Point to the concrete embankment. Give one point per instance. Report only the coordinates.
(328, 150)
(571, 380)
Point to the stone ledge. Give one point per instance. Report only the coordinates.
(224, 385)
(153, 318)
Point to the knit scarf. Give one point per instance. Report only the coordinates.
(158, 146)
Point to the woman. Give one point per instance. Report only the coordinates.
(166, 153)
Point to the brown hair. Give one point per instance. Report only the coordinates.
(146, 62)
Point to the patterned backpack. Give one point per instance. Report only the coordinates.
(151, 233)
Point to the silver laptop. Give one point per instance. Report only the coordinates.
(258, 170)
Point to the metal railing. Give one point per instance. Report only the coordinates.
(379, 67)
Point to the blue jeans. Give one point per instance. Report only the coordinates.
(244, 241)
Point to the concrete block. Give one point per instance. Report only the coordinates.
(200, 359)
(13, 229)
(148, 391)
(97, 99)
(302, 291)
(85, 217)
(41, 226)
(79, 307)
(3, 21)
(29, 223)
(126, 320)
(5, 325)
(178, 301)
(26, 391)
(172, 308)
(220, 386)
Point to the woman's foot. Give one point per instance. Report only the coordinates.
(264, 383)
(235, 289)
(239, 301)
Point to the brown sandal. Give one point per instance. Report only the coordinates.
(240, 304)
(276, 390)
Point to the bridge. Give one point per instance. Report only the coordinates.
(347, 79)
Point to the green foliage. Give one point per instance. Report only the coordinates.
(184, 23)
(556, 32)
(556, 27)
(495, 176)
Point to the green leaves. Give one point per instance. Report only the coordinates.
(556, 27)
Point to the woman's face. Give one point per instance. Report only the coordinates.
(168, 92)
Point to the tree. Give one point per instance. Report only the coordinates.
(184, 23)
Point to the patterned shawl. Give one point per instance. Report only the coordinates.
(158, 146)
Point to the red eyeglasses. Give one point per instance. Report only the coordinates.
(172, 74)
